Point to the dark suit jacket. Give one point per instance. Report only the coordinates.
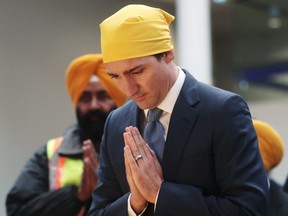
(211, 162)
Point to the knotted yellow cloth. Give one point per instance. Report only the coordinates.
(80, 72)
(135, 31)
(270, 144)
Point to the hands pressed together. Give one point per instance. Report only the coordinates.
(143, 170)
(89, 177)
(144, 173)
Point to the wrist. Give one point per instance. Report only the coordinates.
(137, 205)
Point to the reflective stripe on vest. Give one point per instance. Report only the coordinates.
(63, 171)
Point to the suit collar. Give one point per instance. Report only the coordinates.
(190, 89)
(181, 124)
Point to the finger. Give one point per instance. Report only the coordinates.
(84, 148)
(90, 166)
(89, 150)
(131, 160)
(139, 142)
(126, 141)
(88, 144)
(131, 143)
(127, 166)
(128, 169)
(84, 178)
(87, 164)
(91, 176)
(93, 157)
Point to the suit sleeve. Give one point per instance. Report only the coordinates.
(30, 194)
(110, 196)
(238, 170)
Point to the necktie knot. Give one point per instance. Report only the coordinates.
(154, 114)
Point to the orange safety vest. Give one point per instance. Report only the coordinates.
(63, 171)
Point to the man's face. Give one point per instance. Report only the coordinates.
(93, 107)
(146, 80)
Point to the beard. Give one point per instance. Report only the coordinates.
(92, 124)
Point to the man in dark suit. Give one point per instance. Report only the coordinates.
(210, 164)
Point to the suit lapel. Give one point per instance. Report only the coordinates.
(135, 115)
(181, 124)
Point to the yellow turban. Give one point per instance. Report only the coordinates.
(81, 70)
(135, 31)
(270, 144)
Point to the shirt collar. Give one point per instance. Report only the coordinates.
(169, 101)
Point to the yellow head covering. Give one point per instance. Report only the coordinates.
(135, 31)
(81, 70)
(270, 144)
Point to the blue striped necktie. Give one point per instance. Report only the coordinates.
(154, 132)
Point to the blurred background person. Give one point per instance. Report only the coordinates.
(59, 178)
(272, 150)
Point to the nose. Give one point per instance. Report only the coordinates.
(130, 87)
(94, 104)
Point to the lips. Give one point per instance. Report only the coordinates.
(139, 98)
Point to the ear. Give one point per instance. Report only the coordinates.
(168, 56)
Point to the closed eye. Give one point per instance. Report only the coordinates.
(137, 72)
(113, 76)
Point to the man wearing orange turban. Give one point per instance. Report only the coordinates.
(82, 69)
(272, 148)
(60, 177)
(270, 144)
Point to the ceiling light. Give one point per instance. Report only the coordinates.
(219, 1)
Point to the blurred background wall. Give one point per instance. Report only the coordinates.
(38, 39)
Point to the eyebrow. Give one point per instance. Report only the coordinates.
(126, 71)
(132, 69)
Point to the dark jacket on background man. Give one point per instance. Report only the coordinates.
(31, 191)
(279, 199)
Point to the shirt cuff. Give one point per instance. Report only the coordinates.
(130, 210)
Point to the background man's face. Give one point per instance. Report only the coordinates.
(93, 107)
